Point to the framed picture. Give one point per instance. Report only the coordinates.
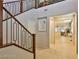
(42, 24)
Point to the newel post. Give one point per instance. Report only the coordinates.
(1, 25)
(34, 46)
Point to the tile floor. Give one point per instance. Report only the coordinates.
(62, 49)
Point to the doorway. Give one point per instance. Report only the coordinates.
(63, 34)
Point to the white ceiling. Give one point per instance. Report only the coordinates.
(63, 20)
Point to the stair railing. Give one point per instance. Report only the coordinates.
(18, 7)
(14, 33)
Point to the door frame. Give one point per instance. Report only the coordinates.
(75, 27)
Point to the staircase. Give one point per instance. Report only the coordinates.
(14, 32)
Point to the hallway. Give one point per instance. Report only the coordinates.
(62, 49)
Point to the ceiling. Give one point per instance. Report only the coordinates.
(63, 20)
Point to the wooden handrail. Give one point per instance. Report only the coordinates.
(10, 44)
(22, 48)
(16, 20)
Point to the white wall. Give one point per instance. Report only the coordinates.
(27, 19)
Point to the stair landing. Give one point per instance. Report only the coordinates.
(13, 52)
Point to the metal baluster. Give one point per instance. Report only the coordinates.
(15, 8)
(21, 37)
(26, 39)
(30, 42)
(18, 33)
(14, 33)
(19, 6)
(11, 30)
(6, 13)
(6, 32)
(12, 8)
(8, 8)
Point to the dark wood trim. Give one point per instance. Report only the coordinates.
(6, 45)
(34, 46)
(1, 25)
(16, 20)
